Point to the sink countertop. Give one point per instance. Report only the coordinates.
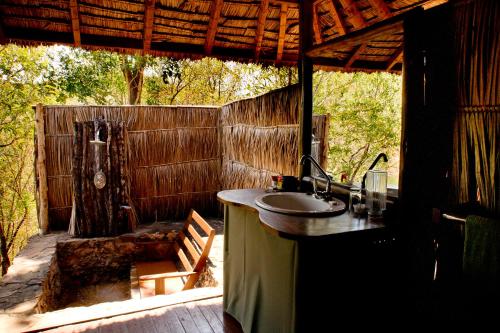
(295, 227)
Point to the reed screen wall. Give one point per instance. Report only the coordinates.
(260, 138)
(174, 158)
(181, 156)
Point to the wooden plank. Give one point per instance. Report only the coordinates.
(381, 8)
(261, 24)
(157, 304)
(396, 58)
(198, 318)
(169, 322)
(353, 14)
(196, 236)
(183, 258)
(75, 22)
(211, 317)
(43, 217)
(189, 246)
(149, 14)
(316, 26)
(282, 33)
(356, 55)
(185, 318)
(215, 11)
(201, 222)
(336, 17)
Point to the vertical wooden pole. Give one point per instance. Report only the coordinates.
(43, 216)
(305, 79)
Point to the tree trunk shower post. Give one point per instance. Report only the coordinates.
(43, 208)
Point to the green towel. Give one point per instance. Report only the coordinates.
(481, 260)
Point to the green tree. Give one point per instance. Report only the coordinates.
(22, 72)
(89, 77)
(365, 118)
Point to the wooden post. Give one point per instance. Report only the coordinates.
(305, 79)
(43, 217)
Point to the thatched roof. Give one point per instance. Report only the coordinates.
(264, 31)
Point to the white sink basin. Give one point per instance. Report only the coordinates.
(294, 203)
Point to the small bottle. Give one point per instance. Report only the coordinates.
(279, 184)
(274, 182)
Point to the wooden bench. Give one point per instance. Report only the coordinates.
(190, 252)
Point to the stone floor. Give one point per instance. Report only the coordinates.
(22, 287)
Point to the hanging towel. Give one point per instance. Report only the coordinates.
(481, 260)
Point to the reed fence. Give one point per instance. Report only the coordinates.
(180, 156)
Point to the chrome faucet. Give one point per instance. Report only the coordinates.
(326, 195)
(381, 155)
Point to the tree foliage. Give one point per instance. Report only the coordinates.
(365, 118)
(21, 71)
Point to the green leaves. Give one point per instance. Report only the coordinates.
(365, 119)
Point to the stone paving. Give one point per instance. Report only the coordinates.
(22, 287)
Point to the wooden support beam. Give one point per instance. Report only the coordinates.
(306, 85)
(353, 13)
(215, 11)
(334, 12)
(75, 22)
(286, 2)
(396, 58)
(261, 25)
(149, 16)
(381, 8)
(356, 55)
(316, 25)
(41, 171)
(282, 33)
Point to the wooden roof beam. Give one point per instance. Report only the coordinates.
(261, 25)
(356, 55)
(334, 12)
(381, 8)
(282, 33)
(392, 25)
(353, 13)
(75, 22)
(286, 2)
(215, 11)
(149, 17)
(396, 58)
(316, 26)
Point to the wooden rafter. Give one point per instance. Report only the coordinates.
(215, 11)
(282, 32)
(396, 58)
(149, 16)
(356, 55)
(336, 17)
(353, 13)
(381, 8)
(261, 25)
(75, 22)
(287, 2)
(316, 26)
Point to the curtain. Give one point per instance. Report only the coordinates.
(475, 175)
